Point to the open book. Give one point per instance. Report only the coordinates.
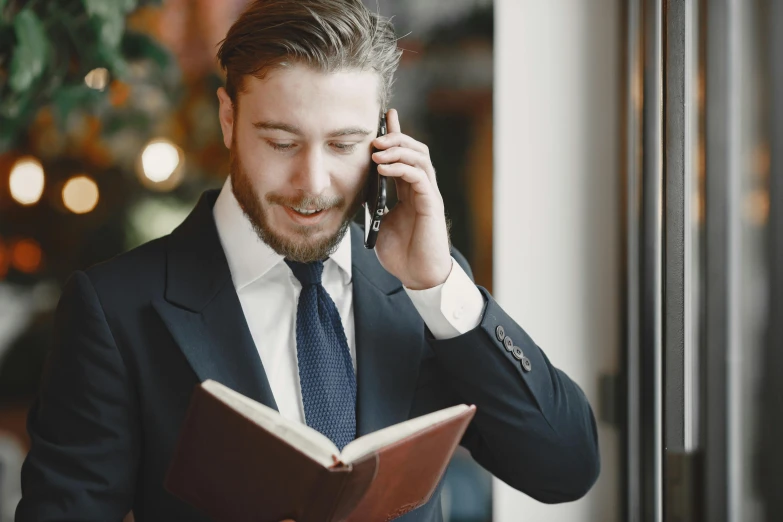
(237, 459)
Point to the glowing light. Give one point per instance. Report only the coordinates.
(26, 181)
(160, 160)
(80, 194)
(97, 79)
(5, 260)
(26, 256)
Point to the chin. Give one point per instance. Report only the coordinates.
(305, 234)
(304, 243)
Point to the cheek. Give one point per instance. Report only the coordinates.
(250, 152)
(262, 167)
(355, 172)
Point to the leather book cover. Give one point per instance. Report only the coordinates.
(409, 470)
(232, 469)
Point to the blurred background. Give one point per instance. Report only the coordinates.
(613, 170)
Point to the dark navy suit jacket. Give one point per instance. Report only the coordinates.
(136, 334)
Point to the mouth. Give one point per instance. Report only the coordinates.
(306, 216)
(307, 212)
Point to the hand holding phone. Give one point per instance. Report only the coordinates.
(415, 246)
(375, 198)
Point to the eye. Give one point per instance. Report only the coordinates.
(281, 146)
(344, 147)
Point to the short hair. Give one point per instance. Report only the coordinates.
(328, 35)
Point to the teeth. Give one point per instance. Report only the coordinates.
(307, 212)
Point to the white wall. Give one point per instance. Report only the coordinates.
(557, 212)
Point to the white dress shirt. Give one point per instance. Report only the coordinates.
(269, 292)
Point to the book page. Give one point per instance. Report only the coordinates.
(382, 438)
(304, 438)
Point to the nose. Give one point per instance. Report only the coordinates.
(312, 174)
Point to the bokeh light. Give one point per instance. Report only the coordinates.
(97, 79)
(26, 181)
(5, 259)
(160, 160)
(80, 194)
(26, 256)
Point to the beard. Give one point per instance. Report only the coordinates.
(302, 246)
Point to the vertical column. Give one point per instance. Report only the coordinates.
(557, 212)
(632, 176)
(680, 320)
(770, 425)
(651, 278)
(722, 257)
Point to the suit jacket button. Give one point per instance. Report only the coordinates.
(508, 343)
(526, 364)
(500, 333)
(518, 355)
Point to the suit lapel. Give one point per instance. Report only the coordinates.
(389, 341)
(204, 316)
(202, 310)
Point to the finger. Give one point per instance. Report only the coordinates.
(392, 121)
(404, 155)
(409, 156)
(417, 178)
(398, 139)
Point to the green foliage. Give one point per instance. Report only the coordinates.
(47, 48)
(71, 97)
(30, 52)
(108, 17)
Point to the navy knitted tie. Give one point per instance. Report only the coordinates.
(325, 367)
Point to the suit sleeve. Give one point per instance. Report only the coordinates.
(85, 439)
(534, 428)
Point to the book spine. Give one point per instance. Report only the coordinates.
(356, 486)
(324, 497)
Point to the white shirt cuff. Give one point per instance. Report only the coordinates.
(450, 309)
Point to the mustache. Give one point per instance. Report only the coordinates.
(306, 201)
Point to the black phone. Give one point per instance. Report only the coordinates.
(375, 198)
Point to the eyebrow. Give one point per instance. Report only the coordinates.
(292, 129)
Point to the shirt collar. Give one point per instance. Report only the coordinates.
(248, 257)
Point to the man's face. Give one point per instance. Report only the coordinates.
(300, 143)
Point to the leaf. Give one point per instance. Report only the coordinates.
(15, 111)
(71, 97)
(108, 17)
(106, 8)
(109, 27)
(30, 52)
(127, 5)
(114, 61)
(136, 46)
(101, 8)
(10, 107)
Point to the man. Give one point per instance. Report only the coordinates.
(235, 293)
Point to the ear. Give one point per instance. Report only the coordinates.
(226, 115)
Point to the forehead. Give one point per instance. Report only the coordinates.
(305, 97)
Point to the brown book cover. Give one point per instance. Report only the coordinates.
(238, 460)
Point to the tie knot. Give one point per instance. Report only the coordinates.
(307, 273)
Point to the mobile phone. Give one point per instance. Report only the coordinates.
(375, 198)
